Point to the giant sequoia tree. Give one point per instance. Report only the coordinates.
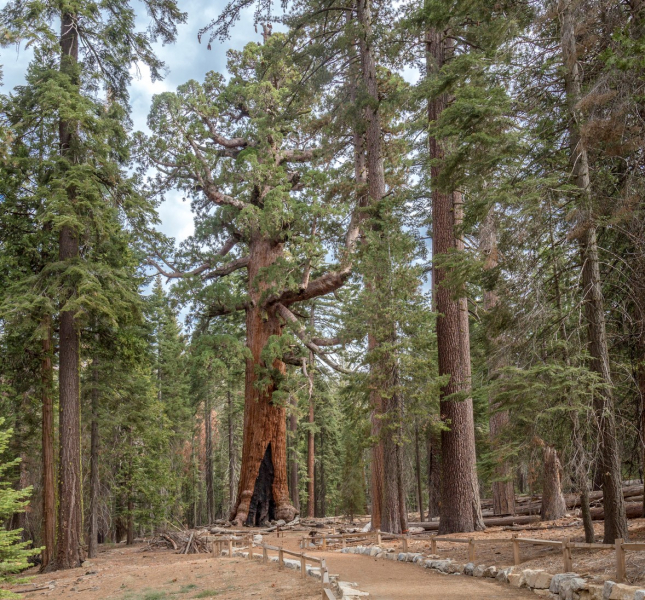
(245, 152)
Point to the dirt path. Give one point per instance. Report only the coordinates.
(393, 580)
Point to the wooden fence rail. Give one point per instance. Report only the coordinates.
(247, 540)
(566, 546)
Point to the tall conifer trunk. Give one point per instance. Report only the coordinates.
(208, 462)
(433, 441)
(609, 464)
(231, 453)
(69, 547)
(49, 489)
(502, 487)
(92, 546)
(263, 491)
(293, 454)
(311, 451)
(388, 514)
(460, 509)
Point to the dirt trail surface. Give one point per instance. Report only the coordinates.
(392, 580)
(125, 573)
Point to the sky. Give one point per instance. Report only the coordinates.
(185, 59)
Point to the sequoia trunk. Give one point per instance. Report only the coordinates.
(264, 421)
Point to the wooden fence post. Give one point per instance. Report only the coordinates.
(516, 550)
(344, 542)
(230, 548)
(471, 550)
(324, 543)
(433, 545)
(280, 559)
(324, 574)
(265, 555)
(405, 544)
(566, 556)
(303, 566)
(620, 561)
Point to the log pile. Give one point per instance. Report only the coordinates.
(182, 542)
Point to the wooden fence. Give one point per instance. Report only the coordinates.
(566, 546)
(247, 541)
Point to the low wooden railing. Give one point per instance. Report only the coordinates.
(247, 540)
(566, 546)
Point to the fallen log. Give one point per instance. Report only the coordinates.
(634, 511)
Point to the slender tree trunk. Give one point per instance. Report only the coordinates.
(460, 496)
(615, 522)
(231, 453)
(387, 512)
(49, 490)
(92, 546)
(311, 456)
(433, 441)
(130, 535)
(502, 486)
(208, 462)
(553, 503)
(263, 487)
(321, 462)
(417, 464)
(70, 519)
(293, 458)
(641, 388)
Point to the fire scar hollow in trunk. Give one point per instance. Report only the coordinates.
(263, 492)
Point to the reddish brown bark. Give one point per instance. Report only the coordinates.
(264, 421)
(460, 496)
(69, 552)
(49, 490)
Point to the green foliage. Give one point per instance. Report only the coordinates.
(14, 553)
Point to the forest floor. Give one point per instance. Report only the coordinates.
(136, 573)
(128, 573)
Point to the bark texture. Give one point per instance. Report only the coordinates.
(553, 502)
(460, 510)
(69, 552)
(609, 465)
(264, 421)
